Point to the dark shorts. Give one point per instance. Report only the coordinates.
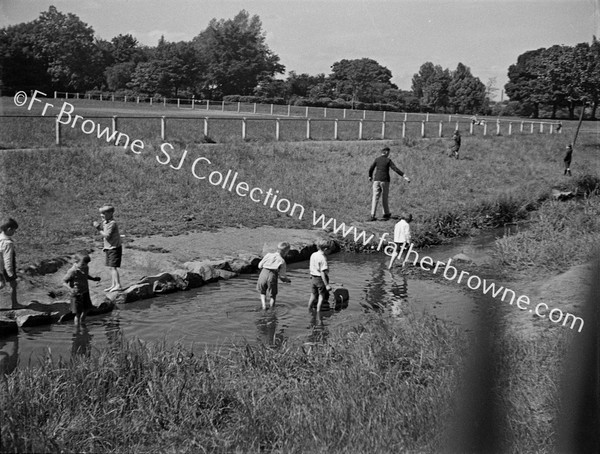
(113, 257)
(267, 282)
(318, 287)
(81, 303)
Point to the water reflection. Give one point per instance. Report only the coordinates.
(81, 342)
(318, 328)
(266, 325)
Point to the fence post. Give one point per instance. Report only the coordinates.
(277, 129)
(164, 102)
(55, 95)
(422, 129)
(427, 117)
(306, 112)
(335, 129)
(207, 104)
(510, 128)
(541, 127)
(193, 102)
(112, 97)
(497, 127)
(238, 108)
(485, 128)
(457, 126)
(522, 126)
(244, 128)
(101, 97)
(57, 130)
(163, 128)
(471, 128)
(178, 103)
(551, 128)
(114, 122)
(289, 110)
(77, 96)
(125, 99)
(206, 126)
(364, 114)
(360, 129)
(324, 112)
(254, 107)
(403, 129)
(223, 106)
(137, 100)
(344, 113)
(449, 118)
(532, 127)
(441, 128)
(383, 130)
(308, 127)
(271, 109)
(383, 115)
(405, 116)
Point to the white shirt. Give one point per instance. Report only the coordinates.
(274, 261)
(318, 263)
(402, 232)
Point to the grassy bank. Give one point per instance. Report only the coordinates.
(384, 386)
(54, 194)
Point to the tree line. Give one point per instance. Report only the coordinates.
(230, 60)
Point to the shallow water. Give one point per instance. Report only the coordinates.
(226, 311)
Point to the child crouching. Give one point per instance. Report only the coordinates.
(76, 280)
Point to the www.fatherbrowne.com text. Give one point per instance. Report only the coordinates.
(230, 181)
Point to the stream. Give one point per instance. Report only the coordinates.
(230, 311)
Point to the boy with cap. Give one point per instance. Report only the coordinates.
(112, 245)
(272, 267)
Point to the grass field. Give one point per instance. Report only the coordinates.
(382, 386)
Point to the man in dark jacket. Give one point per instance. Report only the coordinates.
(381, 182)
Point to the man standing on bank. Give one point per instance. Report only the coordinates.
(381, 182)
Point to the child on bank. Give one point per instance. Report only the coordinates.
(76, 280)
(319, 275)
(112, 245)
(8, 260)
(272, 267)
(401, 237)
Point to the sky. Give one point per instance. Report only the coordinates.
(310, 35)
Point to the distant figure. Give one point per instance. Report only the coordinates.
(475, 121)
(319, 275)
(558, 127)
(76, 280)
(8, 259)
(272, 267)
(456, 144)
(401, 236)
(112, 245)
(381, 182)
(567, 160)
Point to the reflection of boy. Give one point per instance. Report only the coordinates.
(112, 245)
(401, 236)
(76, 280)
(319, 275)
(8, 263)
(272, 267)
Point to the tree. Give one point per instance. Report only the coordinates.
(430, 85)
(364, 79)
(522, 81)
(66, 45)
(466, 93)
(236, 56)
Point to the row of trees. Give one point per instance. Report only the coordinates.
(558, 77)
(230, 59)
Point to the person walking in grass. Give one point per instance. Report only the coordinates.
(319, 275)
(272, 267)
(567, 160)
(456, 139)
(112, 245)
(76, 280)
(401, 237)
(8, 259)
(379, 174)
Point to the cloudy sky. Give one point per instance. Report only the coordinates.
(310, 35)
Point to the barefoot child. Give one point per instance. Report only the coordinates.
(76, 280)
(112, 245)
(272, 267)
(319, 275)
(401, 236)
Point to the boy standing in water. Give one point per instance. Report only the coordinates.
(272, 267)
(401, 236)
(112, 245)
(319, 275)
(76, 280)
(567, 160)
